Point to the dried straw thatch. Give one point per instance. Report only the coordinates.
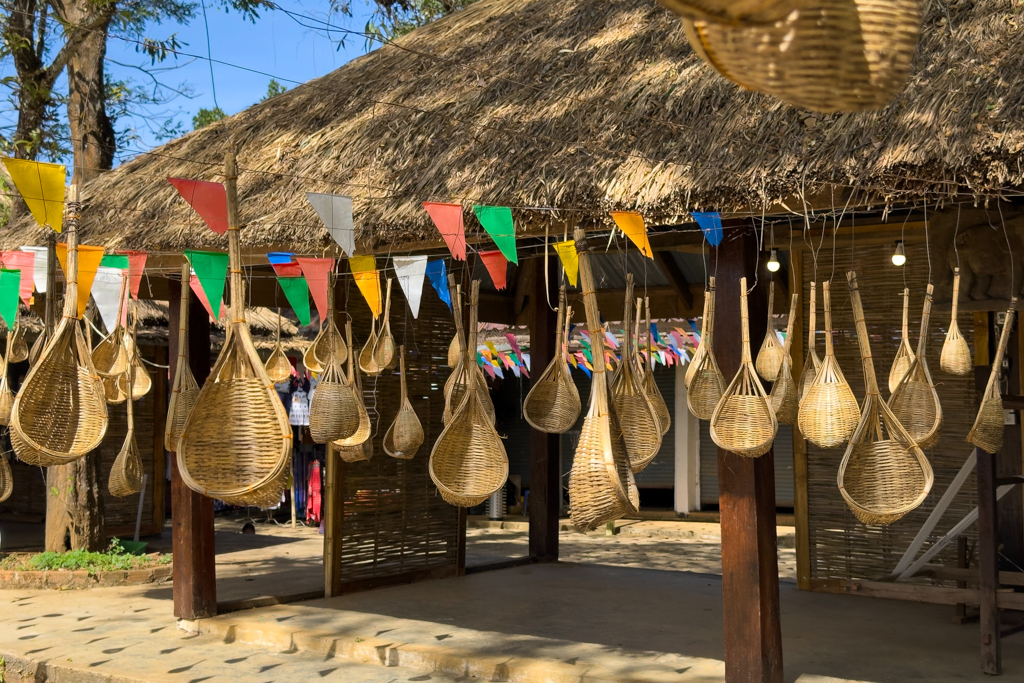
(575, 104)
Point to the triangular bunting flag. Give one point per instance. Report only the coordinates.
(41, 185)
(711, 224)
(197, 288)
(106, 292)
(284, 264)
(570, 260)
(316, 270)
(25, 262)
(209, 200)
(497, 221)
(368, 282)
(436, 273)
(519, 352)
(211, 268)
(410, 271)
(297, 292)
(88, 261)
(497, 266)
(136, 267)
(10, 283)
(39, 270)
(632, 223)
(448, 219)
(114, 261)
(335, 212)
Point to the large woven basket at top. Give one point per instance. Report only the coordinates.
(884, 474)
(915, 403)
(236, 444)
(60, 413)
(705, 383)
(405, 435)
(987, 431)
(185, 389)
(822, 55)
(553, 404)
(126, 473)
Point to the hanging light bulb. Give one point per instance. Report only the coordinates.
(773, 261)
(899, 257)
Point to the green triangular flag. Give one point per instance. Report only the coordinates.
(297, 291)
(115, 261)
(212, 270)
(497, 221)
(10, 284)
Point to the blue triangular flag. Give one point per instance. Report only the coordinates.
(711, 224)
(438, 276)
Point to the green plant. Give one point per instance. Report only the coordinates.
(113, 559)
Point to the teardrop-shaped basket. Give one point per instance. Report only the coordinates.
(829, 412)
(364, 428)
(6, 478)
(915, 403)
(601, 483)
(553, 404)
(987, 431)
(649, 384)
(812, 363)
(468, 461)
(405, 435)
(454, 352)
(707, 384)
(455, 385)
(784, 396)
(60, 414)
(6, 395)
(955, 358)
(329, 343)
(110, 356)
(18, 346)
(237, 443)
(744, 422)
(366, 361)
(141, 382)
(334, 410)
(639, 424)
(126, 474)
(884, 474)
(185, 389)
(384, 355)
(904, 354)
(279, 368)
(769, 357)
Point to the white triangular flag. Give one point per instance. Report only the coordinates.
(39, 270)
(335, 211)
(411, 271)
(106, 291)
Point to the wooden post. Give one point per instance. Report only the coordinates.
(195, 572)
(545, 476)
(801, 510)
(334, 500)
(750, 573)
(159, 455)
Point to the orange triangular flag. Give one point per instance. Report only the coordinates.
(632, 223)
(88, 262)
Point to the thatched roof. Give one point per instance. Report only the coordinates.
(577, 104)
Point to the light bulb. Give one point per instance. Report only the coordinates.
(773, 261)
(899, 257)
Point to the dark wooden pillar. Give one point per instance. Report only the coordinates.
(195, 573)
(750, 572)
(545, 475)
(334, 501)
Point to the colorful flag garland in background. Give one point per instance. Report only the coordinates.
(438, 276)
(497, 267)
(88, 261)
(209, 200)
(448, 220)
(364, 271)
(211, 269)
(10, 284)
(25, 262)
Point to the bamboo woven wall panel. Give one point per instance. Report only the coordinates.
(840, 545)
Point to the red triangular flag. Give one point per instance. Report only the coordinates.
(198, 289)
(497, 266)
(316, 271)
(448, 219)
(136, 266)
(209, 200)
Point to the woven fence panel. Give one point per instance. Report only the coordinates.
(842, 547)
(394, 521)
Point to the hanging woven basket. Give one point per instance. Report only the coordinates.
(236, 444)
(110, 356)
(6, 395)
(812, 363)
(989, 424)
(707, 384)
(904, 354)
(784, 397)
(553, 404)
(18, 346)
(466, 371)
(884, 474)
(646, 370)
(955, 358)
(141, 382)
(363, 429)
(454, 352)
(329, 343)
(366, 361)
(769, 357)
(279, 368)
(334, 410)
(185, 389)
(405, 435)
(915, 403)
(126, 473)
(384, 355)
(60, 414)
(6, 478)
(829, 412)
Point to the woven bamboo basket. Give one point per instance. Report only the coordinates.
(915, 403)
(329, 343)
(18, 346)
(110, 356)
(769, 357)
(59, 414)
(553, 404)
(364, 428)
(699, 352)
(384, 355)
(904, 354)
(405, 435)
(955, 358)
(784, 396)
(6, 478)
(185, 389)
(465, 371)
(37, 348)
(812, 363)
(829, 412)
(884, 474)
(366, 361)
(141, 382)
(360, 453)
(126, 473)
(637, 419)
(826, 56)
(334, 411)
(707, 383)
(744, 422)
(279, 368)
(987, 431)
(6, 395)
(454, 352)
(650, 386)
(468, 461)
(236, 444)
(732, 12)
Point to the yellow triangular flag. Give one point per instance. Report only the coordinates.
(88, 262)
(362, 264)
(42, 187)
(570, 260)
(632, 223)
(368, 280)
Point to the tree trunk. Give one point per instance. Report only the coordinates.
(92, 134)
(74, 506)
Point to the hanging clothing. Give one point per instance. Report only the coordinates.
(298, 415)
(313, 500)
